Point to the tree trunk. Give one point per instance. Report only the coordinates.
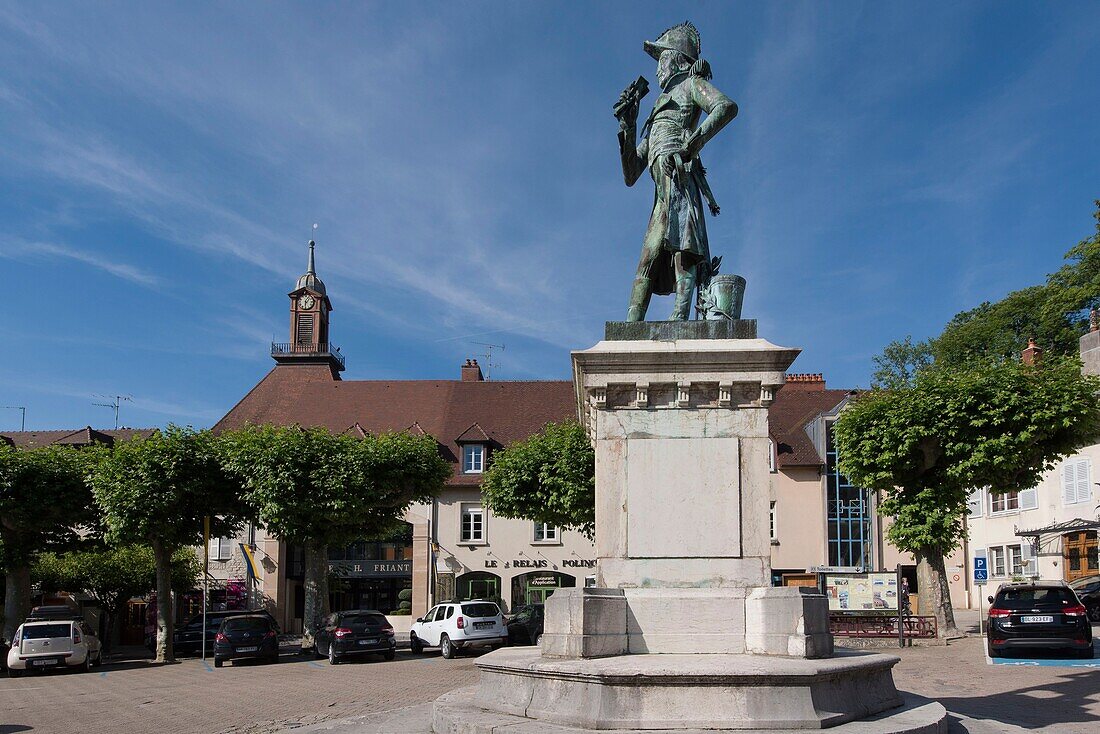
(316, 592)
(107, 622)
(165, 608)
(17, 599)
(933, 592)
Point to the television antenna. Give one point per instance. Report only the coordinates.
(23, 408)
(489, 364)
(116, 401)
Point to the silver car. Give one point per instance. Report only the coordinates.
(54, 643)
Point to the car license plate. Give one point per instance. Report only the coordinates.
(1037, 619)
(247, 649)
(367, 642)
(44, 662)
(482, 625)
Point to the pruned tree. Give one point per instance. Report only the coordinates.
(926, 446)
(315, 489)
(156, 491)
(44, 502)
(112, 576)
(548, 477)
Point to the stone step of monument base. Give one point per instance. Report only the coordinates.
(458, 713)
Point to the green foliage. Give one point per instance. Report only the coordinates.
(159, 489)
(308, 485)
(43, 500)
(405, 595)
(925, 447)
(549, 477)
(899, 363)
(1055, 314)
(112, 575)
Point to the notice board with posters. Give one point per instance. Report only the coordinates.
(875, 591)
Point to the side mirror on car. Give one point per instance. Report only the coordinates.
(990, 599)
(419, 620)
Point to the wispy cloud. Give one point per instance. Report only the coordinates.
(17, 249)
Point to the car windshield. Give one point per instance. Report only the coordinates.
(484, 609)
(246, 624)
(363, 619)
(1084, 583)
(1026, 598)
(46, 631)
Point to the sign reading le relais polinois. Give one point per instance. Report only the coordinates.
(369, 569)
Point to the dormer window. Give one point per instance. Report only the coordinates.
(473, 458)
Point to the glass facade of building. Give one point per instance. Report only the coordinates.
(849, 514)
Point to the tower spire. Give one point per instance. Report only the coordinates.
(312, 270)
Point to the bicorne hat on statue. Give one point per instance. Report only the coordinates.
(683, 38)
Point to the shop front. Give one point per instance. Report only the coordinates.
(369, 584)
(535, 587)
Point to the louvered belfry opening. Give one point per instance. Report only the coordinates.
(304, 331)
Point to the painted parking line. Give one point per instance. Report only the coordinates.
(316, 664)
(1044, 662)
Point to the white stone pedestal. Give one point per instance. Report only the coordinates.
(683, 631)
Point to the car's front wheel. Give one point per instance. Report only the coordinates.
(446, 647)
(218, 662)
(390, 655)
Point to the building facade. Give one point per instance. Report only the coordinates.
(1048, 531)
(452, 547)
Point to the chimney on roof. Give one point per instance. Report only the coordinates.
(471, 371)
(806, 382)
(1033, 352)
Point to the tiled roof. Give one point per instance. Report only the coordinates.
(473, 434)
(504, 412)
(788, 417)
(79, 437)
(457, 411)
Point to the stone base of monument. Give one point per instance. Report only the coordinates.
(683, 631)
(702, 691)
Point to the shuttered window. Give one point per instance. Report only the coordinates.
(1075, 481)
(304, 333)
(974, 503)
(1029, 498)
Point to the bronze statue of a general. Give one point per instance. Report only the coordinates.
(675, 253)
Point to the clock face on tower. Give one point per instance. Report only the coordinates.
(306, 301)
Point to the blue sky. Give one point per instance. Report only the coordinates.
(161, 166)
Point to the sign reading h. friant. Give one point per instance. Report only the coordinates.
(370, 569)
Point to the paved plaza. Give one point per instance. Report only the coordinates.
(372, 697)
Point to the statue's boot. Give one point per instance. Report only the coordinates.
(639, 299)
(685, 289)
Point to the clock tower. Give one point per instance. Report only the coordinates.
(309, 310)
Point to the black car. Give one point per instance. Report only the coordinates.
(1038, 614)
(246, 636)
(355, 632)
(187, 639)
(525, 625)
(1088, 591)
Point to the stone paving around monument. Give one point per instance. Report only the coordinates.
(373, 697)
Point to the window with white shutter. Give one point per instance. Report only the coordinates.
(1029, 498)
(1030, 562)
(974, 503)
(1075, 481)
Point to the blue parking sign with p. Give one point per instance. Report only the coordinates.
(981, 570)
